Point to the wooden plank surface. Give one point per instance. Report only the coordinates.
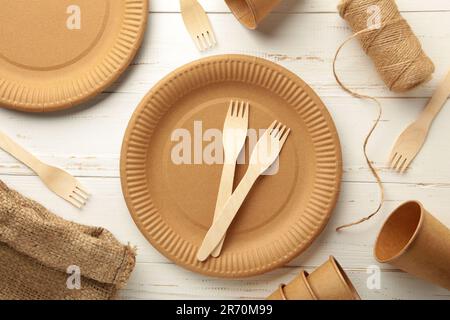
(301, 6)
(302, 36)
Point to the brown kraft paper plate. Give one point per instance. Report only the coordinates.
(55, 54)
(173, 204)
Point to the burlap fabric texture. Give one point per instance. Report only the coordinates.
(37, 249)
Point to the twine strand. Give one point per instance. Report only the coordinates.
(396, 53)
(367, 138)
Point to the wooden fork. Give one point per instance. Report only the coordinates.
(57, 180)
(413, 138)
(233, 136)
(265, 153)
(197, 24)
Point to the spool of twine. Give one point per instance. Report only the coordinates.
(393, 47)
(397, 53)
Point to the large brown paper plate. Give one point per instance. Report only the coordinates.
(58, 53)
(173, 204)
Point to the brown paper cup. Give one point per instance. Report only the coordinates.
(416, 242)
(251, 12)
(329, 282)
(297, 289)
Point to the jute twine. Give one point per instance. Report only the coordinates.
(397, 55)
(393, 47)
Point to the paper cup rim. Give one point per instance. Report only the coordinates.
(411, 239)
(344, 278)
(304, 277)
(251, 6)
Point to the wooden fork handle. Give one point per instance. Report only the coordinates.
(226, 216)
(11, 147)
(438, 100)
(225, 191)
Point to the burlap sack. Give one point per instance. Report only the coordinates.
(37, 248)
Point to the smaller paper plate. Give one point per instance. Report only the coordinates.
(55, 54)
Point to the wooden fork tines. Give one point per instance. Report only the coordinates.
(197, 24)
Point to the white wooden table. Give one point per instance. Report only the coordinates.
(302, 35)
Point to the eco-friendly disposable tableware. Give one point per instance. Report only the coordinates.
(55, 54)
(416, 242)
(264, 154)
(297, 289)
(234, 135)
(329, 282)
(197, 24)
(251, 12)
(172, 194)
(57, 180)
(410, 142)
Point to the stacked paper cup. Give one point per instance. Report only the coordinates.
(251, 12)
(328, 282)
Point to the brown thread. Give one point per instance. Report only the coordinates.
(366, 140)
(398, 57)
